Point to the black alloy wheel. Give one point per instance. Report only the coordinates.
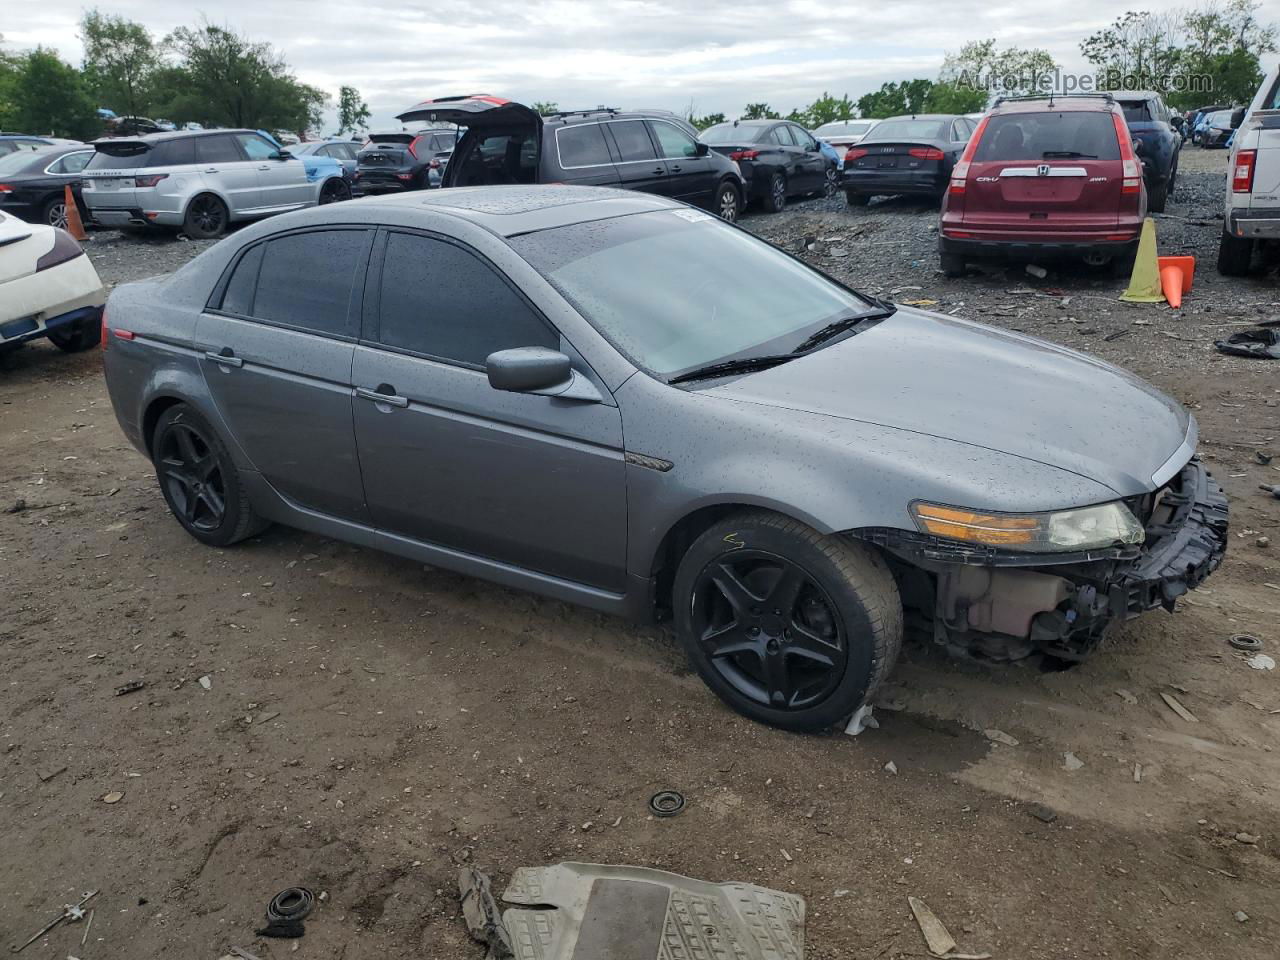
(334, 191)
(192, 474)
(206, 218)
(831, 185)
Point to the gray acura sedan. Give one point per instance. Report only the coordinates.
(617, 400)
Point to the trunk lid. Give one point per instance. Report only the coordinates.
(907, 156)
(108, 178)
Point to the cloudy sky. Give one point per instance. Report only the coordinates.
(653, 53)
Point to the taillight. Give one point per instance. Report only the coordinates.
(744, 154)
(150, 180)
(926, 153)
(855, 153)
(960, 172)
(413, 147)
(434, 164)
(1131, 170)
(105, 331)
(5, 188)
(404, 176)
(65, 247)
(1242, 173)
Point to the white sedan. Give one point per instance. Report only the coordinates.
(48, 287)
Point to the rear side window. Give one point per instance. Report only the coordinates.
(582, 146)
(71, 163)
(238, 297)
(306, 280)
(468, 311)
(633, 141)
(173, 153)
(781, 136)
(125, 156)
(217, 149)
(1049, 136)
(1136, 112)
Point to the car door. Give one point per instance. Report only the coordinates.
(226, 169)
(639, 166)
(810, 162)
(691, 175)
(531, 481)
(583, 154)
(277, 340)
(281, 182)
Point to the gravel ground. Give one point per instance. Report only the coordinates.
(368, 724)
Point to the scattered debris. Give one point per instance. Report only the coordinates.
(999, 736)
(1137, 773)
(17, 506)
(666, 803)
(70, 914)
(862, 719)
(1126, 696)
(1178, 708)
(205, 682)
(1042, 813)
(115, 796)
(1247, 838)
(1263, 344)
(1071, 761)
(1242, 916)
(1242, 641)
(1037, 271)
(480, 912)
(47, 775)
(133, 686)
(87, 927)
(940, 942)
(786, 856)
(1262, 457)
(891, 767)
(1260, 661)
(244, 954)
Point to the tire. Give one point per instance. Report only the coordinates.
(80, 336)
(775, 198)
(803, 669)
(334, 190)
(831, 185)
(952, 264)
(856, 199)
(728, 201)
(206, 217)
(199, 481)
(1234, 254)
(1157, 197)
(54, 212)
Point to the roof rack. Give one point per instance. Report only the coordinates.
(1101, 95)
(582, 113)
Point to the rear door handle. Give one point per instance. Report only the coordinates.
(227, 359)
(659, 169)
(389, 397)
(211, 170)
(265, 166)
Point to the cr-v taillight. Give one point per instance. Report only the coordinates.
(1242, 172)
(960, 172)
(1130, 169)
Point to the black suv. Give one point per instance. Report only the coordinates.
(403, 160)
(649, 150)
(1154, 129)
(779, 159)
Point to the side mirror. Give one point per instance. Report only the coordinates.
(701, 149)
(1237, 118)
(283, 155)
(1177, 122)
(541, 371)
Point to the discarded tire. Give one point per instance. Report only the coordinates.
(666, 803)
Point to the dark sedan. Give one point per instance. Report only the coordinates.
(910, 156)
(1217, 130)
(33, 183)
(778, 159)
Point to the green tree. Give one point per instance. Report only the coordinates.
(798, 116)
(827, 108)
(545, 107)
(49, 97)
(896, 99)
(947, 97)
(119, 61)
(10, 66)
(1014, 69)
(760, 111)
(353, 112)
(710, 120)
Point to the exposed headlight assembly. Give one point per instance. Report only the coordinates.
(1084, 528)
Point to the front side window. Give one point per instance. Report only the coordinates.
(441, 300)
(674, 289)
(256, 147)
(674, 142)
(582, 146)
(305, 280)
(633, 141)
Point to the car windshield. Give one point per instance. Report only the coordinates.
(728, 133)
(912, 130)
(1044, 136)
(675, 290)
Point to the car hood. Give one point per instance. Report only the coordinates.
(990, 388)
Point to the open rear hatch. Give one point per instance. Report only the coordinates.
(476, 110)
(502, 142)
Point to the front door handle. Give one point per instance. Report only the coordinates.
(211, 170)
(265, 166)
(384, 394)
(225, 358)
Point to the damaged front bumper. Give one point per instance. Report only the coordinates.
(1004, 605)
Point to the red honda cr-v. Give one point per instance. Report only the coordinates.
(1045, 178)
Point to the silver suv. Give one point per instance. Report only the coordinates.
(198, 181)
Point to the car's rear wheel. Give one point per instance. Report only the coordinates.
(831, 185)
(77, 337)
(728, 202)
(55, 213)
(952, 264)
(1234, 255)
(206, 218)
(775, 198)
(334, 191)
(787, 626)
(1158, 196)
(199, 481)
(856, 199)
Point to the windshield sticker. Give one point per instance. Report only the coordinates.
(693, 216)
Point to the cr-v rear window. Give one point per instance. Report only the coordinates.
(119, 156)
(1049, 136)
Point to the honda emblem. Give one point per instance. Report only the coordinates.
(1042, 170)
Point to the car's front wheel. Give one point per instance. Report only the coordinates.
(199, 481)
(334, 191)
(728, 203)
(786, 625)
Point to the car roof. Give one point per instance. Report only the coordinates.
(1057, 105)
(1130, 96)
(153, 138)
(24, 136)
(568, 118)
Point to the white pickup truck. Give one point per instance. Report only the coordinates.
(1253, 192)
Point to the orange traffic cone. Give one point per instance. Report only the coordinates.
(74, 226)
(1176, 274)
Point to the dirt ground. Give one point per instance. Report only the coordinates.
(370, 724)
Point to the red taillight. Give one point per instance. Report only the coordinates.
(434, 164)
(413, 147)
(105, 331)
(150, 180)
(5, 188)
(854, 153)
(1242, 173)
(744, 154)
(404, 176)
(958, 234)
(123, 334)
(1131, 170)
(960, 172)
(926, 153)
